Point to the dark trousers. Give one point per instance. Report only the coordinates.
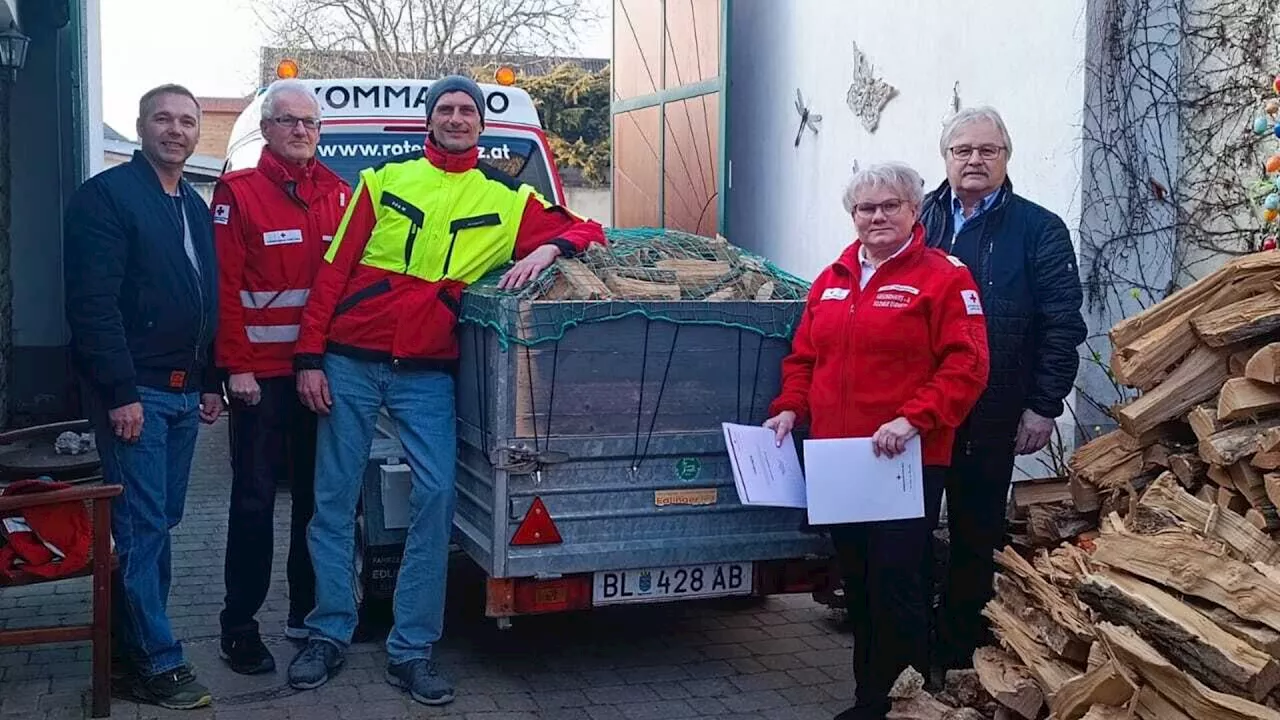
(272, 442)
(977, 504)
(887, 589)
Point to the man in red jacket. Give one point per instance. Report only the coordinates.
(379, 331)
(272, 225)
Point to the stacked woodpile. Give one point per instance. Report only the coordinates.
(1147, 583)
(676, 267)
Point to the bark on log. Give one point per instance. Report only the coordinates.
(1190, 469)
(1228, 446)
(1184, 692)
(1240, 321)
(1193, 642)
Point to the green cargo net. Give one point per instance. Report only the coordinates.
(656, 273)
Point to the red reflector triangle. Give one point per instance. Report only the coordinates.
(537, 527)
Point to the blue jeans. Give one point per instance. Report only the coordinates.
(154, 472)
(422, 405)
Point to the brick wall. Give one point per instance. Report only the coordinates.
(215, 131)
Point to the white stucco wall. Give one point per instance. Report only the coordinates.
(594, 203)
(1026, 59)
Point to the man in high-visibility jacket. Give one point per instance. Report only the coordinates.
(379, 330)
(272, 224)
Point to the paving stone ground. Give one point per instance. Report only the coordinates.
(785, 658)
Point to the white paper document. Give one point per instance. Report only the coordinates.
(764, 473)
(846, 483)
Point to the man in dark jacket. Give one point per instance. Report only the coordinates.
(1024, 264)
(141, 302)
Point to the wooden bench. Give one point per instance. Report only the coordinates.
(98, 632)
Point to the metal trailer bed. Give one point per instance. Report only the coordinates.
(638, 487)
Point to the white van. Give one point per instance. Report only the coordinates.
(367, 121)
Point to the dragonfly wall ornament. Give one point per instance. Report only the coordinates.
(807, 118)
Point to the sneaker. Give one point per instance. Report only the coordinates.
(176, 689)
(296, 630)
(313, 664)
(247, 655)
(423, 680)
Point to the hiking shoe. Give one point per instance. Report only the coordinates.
(176, 689)
(296, 630)
(423, 680)
(313, 664)
(246, 654)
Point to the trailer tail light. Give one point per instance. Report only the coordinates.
(527, 596)
(537, 528)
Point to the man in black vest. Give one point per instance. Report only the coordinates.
(141, 302)
(1024, 264)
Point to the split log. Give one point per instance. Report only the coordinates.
(1103, 685)
(1221, 477)
(912, 702)
(1208, 494)
(1151, 705)
(1149, 359)
(1061, 609)
(1051, 523)
(1232, 501)
(1194, 566)
(963, 688)
(1184, 691)
(1057, 638)
(1190, 469)
(1120, 476)
(1249, 481)
(1246, 540)
(1227, 446)
(765, 292)
(1264, 365)
(1240, 321)
(1100, 454)
(1271, 482)
(1238, 363)
(1179, 632)
(1268, 455)
(1083, 494)
(626, 288)
(1265, 518)
(1008, 681)
(1237, 279)
(1155, 457)
(1203, 420)
(1174, 432)
(1258, 635)
(582, 283)
(1242, 398)
(694, 273)
(1050, 673)
(1197, 379)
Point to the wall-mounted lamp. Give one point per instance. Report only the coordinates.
(13, 50)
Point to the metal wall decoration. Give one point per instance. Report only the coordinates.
(868, 94)
(807, 119)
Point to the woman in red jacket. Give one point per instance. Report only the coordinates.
(892, 344)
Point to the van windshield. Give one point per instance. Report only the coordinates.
(349, 153)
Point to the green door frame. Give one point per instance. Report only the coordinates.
(664, 95)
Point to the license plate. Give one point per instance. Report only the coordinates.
(671, 583)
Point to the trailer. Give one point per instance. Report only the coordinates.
(592, 467)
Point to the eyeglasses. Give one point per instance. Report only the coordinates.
(986, 152)
(888, 207)
(289, 121)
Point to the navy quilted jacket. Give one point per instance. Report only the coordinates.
(1023, 262)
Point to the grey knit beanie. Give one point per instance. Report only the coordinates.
(455, 83)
